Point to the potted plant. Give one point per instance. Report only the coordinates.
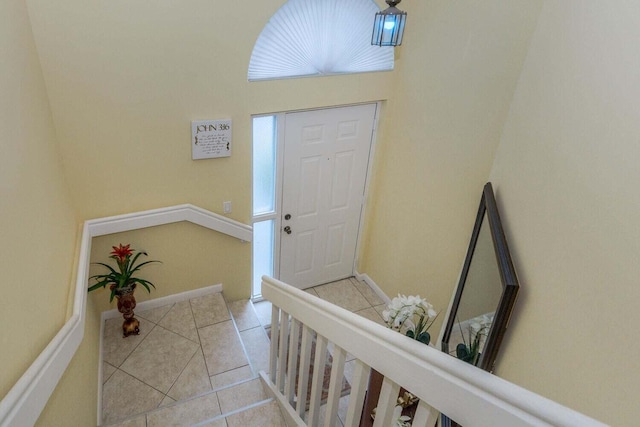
(412, 316)
(478, 329)
(122, 283)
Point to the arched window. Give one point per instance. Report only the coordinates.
(319, 38)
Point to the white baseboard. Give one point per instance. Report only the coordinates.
(170, 299)
(369, 281)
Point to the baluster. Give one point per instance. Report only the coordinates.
(305, 363)
(425, 416)
(358, 391)
(283, 347)
(386, 403)
(273, 349)
(294, 339)
(335, 385)
(317, 380)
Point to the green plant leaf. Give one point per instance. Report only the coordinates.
(462, 352)
(133, 270)
(424, 338)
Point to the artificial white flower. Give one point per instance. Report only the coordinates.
(411, 315)
(399, 419)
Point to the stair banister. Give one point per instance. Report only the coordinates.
(25, 401)
(468, 395)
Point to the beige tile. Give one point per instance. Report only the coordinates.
(370, 295)
(260, 416)
(380, 308)
(193, 380)
(124, 396)
(231, 377)
(371, 314)
(180, 320)
(322, 416)
(349, 369)
(166, 402)
(160, 358)
(107, 371)
(258, 346)
(343, 407)
(222, 347)
(185, 413)
(140, 421)
(263, 310)
(311, 291)
(155, 314)
(241, 395)
(244, 314)
(115, 348)
(220, 422)
(209, 309)
(343, 293)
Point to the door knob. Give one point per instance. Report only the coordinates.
(287, 229)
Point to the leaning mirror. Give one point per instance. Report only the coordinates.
(485, 295)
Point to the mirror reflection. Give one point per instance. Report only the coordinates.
(478, 302)
(485, 296)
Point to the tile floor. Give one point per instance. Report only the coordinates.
(199, 359)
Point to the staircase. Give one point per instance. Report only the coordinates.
(443, 384)
(256, 409)
(197, 361)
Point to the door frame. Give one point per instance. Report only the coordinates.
(277, 215)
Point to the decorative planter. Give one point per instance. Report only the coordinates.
(126, 304)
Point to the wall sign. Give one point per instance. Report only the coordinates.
(210, 139)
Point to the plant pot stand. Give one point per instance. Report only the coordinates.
(126, 304)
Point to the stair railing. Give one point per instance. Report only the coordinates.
(443, 383)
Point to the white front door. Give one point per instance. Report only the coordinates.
(326, 154)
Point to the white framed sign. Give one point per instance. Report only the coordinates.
(210, 139)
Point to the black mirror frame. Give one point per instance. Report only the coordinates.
(508, 277)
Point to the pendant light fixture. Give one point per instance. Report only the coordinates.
(389, 26)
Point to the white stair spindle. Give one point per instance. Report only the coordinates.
(305, 363)
(386, 403)
(294, 339)
(335, 385)
(358, 392)
(317, 380)
(425, 416)
(273, 349)
(283, 347)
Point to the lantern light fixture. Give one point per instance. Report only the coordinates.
(388, 26)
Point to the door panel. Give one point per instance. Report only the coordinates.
(326, 154)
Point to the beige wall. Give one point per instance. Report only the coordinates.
(75, 399)
(567, 180)
(38, 225)
(194, 257)
(456, 74)
(125, 79)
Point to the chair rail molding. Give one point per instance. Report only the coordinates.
(22, 406)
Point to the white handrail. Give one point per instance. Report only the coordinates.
(468, 395)
(27, 398)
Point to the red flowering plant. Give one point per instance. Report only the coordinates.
(123, 278)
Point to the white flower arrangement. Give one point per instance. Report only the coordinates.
(410, 315)
(478, 329)
(400, 420)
